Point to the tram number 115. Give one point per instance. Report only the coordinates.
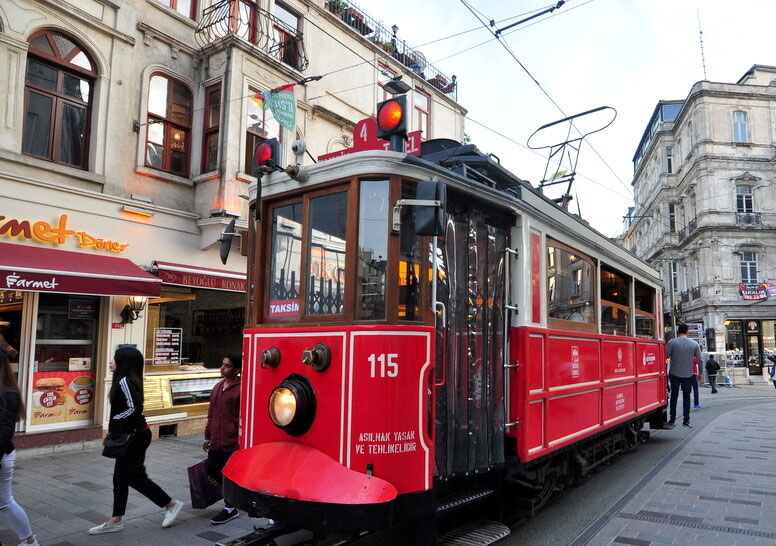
(383, 365)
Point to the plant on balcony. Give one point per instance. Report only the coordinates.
(388, 47)
(355, 19)
(337, 6)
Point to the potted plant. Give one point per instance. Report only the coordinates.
(337, 7)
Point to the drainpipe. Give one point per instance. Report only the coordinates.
(224, 126)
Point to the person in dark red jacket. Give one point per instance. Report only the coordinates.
(221, 430)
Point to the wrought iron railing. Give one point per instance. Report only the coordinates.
(374, 31)
(695, 293)
(748, 218)
(692, 225)
(682, 233)
(685, 296)
(254, 25)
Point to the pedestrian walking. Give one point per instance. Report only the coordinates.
(680, 351)
(221, 430)
(696, 377)
(11, 411)
(772, 358)
(712, 367)
(126, 417)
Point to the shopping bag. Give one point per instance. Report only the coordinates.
(204, 489)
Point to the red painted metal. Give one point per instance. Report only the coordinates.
(374, 402)
(296, 471)
(571, 385)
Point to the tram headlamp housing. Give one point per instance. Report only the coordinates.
(292, 405)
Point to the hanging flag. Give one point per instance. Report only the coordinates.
(283, 105)
(260, 101)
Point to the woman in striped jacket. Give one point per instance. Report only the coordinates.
(126, 416)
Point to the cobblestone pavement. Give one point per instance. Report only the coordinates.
(716, 487)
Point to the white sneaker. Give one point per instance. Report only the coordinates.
(106, 528)
(33, 543)
(170, 515)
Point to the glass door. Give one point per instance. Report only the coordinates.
(754, 357)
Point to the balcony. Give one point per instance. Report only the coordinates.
(695, 293)
(748, 218)
(692, 226)
(375, 32)
(685, 296)
(256, 26)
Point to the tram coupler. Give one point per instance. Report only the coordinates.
(261, 537)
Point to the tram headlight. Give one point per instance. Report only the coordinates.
(292, 405)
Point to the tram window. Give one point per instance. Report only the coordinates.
(326, 254)
(410, 262)
(570, 288)
(285, 265)
(372, 249)
(615, 302)
(645, 310)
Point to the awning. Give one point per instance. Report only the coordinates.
(40, 269)
(200, 277)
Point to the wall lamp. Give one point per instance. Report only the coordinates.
(132, 309)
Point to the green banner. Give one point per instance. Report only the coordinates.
(282, 103)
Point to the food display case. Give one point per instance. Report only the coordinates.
(181, 391)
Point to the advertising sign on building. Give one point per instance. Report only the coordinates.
(696, 332)
(757, 291)
(62, 397)
(167, 346)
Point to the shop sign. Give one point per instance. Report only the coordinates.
(755, 291)
(81, 309)
(198, 280)
(57, 234)
(62, 397)
(167, 346)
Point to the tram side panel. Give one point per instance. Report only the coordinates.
(571, 385)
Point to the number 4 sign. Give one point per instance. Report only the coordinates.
(365, 138)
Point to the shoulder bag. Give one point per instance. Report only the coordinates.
(116, 445)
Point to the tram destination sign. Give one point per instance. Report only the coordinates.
(365, 138)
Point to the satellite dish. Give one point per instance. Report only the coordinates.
(226, 240)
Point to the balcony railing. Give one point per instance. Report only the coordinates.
(748, 218)
(685, 296)
(374, 31)
(695, 293)
(254, 25)
(692, 225)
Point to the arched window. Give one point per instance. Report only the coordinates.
(168, 128)
(58, 93)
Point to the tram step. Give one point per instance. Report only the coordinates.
(466, 497)
(476, 533)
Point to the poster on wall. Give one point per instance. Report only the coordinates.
(695, 331)
(62, 397)
(167, 346)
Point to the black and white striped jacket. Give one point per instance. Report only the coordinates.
(126, 409)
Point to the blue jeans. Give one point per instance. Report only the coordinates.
(686, 386)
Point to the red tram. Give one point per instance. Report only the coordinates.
(433, 341)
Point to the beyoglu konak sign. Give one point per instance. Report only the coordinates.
(56, 234)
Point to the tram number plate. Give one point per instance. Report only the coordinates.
(383, 365)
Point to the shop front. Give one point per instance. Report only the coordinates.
(56, 308)
(196, 321)
(748, 343)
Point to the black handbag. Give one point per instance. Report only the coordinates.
(116, 445)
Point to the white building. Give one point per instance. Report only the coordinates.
(706, 211)
(131, 126)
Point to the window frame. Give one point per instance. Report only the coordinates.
(669, 160)
(420, 114)
(173, 5)
(744, 199)
(748, 267)
(562, 324)
(169, 124)
(289, 53)
(738, 124)
(628, 284)
(207, 129)
(59, 99)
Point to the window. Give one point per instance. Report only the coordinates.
(748, 267)
(744, 202)
(697, 273)
(327, 253)
(372, 249)
(210, 128)
(690, 137)
(169, 125)
(410, 261)
(422, 117)
(615, 302)
(261, 125)
(570, 288)
(58, 93)
(672, 218)
(187, 8)
(286, 35)
(669, 160)
(645, 310)
(384, 75)
(740, 127)
(285, 261)
(675, 276)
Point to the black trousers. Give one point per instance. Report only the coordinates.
(216, 461)
(686, 385)
(130, 472)
(713, 381)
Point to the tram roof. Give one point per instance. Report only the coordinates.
(473, 173)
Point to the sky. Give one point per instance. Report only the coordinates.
(626, 54)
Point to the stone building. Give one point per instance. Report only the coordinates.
(127, 130)
(706, 210)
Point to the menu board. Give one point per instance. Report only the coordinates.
(62, 397)
(167, 346)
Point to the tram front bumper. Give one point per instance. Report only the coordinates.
(297, 484)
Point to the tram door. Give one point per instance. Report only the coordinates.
(470, 362)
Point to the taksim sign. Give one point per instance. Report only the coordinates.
(57, 234)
